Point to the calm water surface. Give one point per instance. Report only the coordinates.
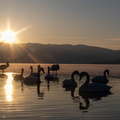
(54, 102)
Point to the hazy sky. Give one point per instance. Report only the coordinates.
(89, 22)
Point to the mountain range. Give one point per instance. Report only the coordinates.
(53, 53)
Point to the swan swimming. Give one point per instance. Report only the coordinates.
(70, 83)
(49, 76)
(92, 87)
(19, 76)
(3, 67)
(33, 79)
(101, 79)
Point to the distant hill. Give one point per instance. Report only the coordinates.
(52, 53)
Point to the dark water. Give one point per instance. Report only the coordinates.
(53, 102)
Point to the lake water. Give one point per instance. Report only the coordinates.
(54, 102)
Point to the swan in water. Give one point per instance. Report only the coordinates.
(49, 76)
(55, 67)
(33, 79)
(92, 87)
(101, 79)
(36, 73)
(19, 76)
(70, 83)
(3, 67)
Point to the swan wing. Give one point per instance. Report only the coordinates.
(100, 79)
(30, 80)
(95, 87)
(69, 83)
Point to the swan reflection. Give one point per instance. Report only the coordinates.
(40, 94)
(9, 87)
(84, 98)
(93, 96)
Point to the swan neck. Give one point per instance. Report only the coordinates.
(7, 63)
(87, 79)
(31, 70)
(105, 74)
(48, 70)
(72, 77)
(22, 73)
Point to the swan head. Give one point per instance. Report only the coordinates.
(7, 63)
(82, 74)
(74, 73)
(49, 68)
(22, 70)
(42, 69)
(31, 67)
(107, 71)
(39, 67)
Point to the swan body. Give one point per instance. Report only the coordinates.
(55, 67)
(30, 80)
(33, 79)
(36, 73)
(20, 76)
(70, 83)
(3, 67)
(49, 76)
(92, 87)
(101, 79)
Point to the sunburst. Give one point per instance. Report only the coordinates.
(10, 36)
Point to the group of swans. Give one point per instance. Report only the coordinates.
(95, 86)
(33, 78)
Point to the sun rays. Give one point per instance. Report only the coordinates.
(9, 35)
(9, 39)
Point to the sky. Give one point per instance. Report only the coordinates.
(88, 22)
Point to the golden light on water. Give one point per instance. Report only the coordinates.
(9, 87)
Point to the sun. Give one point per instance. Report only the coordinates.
(8, 36)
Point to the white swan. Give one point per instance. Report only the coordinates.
(19, 76)
(49, 76)
(92, 87)
(101, 79)
(33, 79)
(70, 83)
(3, 67)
